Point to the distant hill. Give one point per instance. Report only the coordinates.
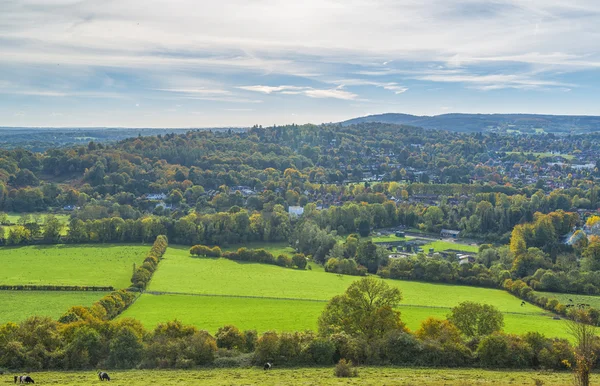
(523, 123)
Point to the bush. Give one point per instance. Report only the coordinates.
(267, 347)
(321, 351)
(344, 369)
(284, 261)
(400, 348)
(230, 337)
(299, 260)
(499, 350)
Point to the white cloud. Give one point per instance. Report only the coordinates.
(392, 86)
(335, 93)
(273, 89)
(494, 81)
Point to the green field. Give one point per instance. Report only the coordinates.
(568, 157)
(444, 245)
(389, 238)
(86, 265)
(13, 218)
(264, 297)
(305, 376)
(593, 301)
(211, 312)
(16, 306)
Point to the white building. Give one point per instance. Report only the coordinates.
(296, 211)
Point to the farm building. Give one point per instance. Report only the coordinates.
(449, 233)
(465, 259)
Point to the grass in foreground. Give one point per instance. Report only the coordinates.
(16, 306)
(91, 265)
(304, 376)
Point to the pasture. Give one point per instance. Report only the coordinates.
(305, 376)
(593, 301)
(265, 297)
(13, 218)
(16, 306)
(211, 312)
(439, 246)
(85, 265)
(568, 157)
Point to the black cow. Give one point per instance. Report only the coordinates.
(267, 366)
(103, 376)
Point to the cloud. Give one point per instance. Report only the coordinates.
(159, 50)
(392, 86)
(495, 81)
(273, 89)
(335, 93)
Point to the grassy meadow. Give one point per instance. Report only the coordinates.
(13, 218)
(267, 297)
(305, 376)
(439, 246)
(16, 306)
(86, 265)
(593, 301)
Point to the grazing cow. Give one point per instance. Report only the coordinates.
(267, 366)
(522, 304)
(103, 376)
(571, 300)
(24, 379)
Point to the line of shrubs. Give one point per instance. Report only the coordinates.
(41, 344)
(28, 287)
(142, 274)
(260, 255)
(521, 290)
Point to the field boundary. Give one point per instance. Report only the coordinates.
(28, 287)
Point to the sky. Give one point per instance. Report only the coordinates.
(198, 63)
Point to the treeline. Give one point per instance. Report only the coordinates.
(142, 275)
(43, 344)
(298, 260)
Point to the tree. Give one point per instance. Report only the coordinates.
(52, 229)
(591, 257)
(125, 348)
(476, 320)
(364, 227)
(433, 218)
(366, 310)
(584, 333)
